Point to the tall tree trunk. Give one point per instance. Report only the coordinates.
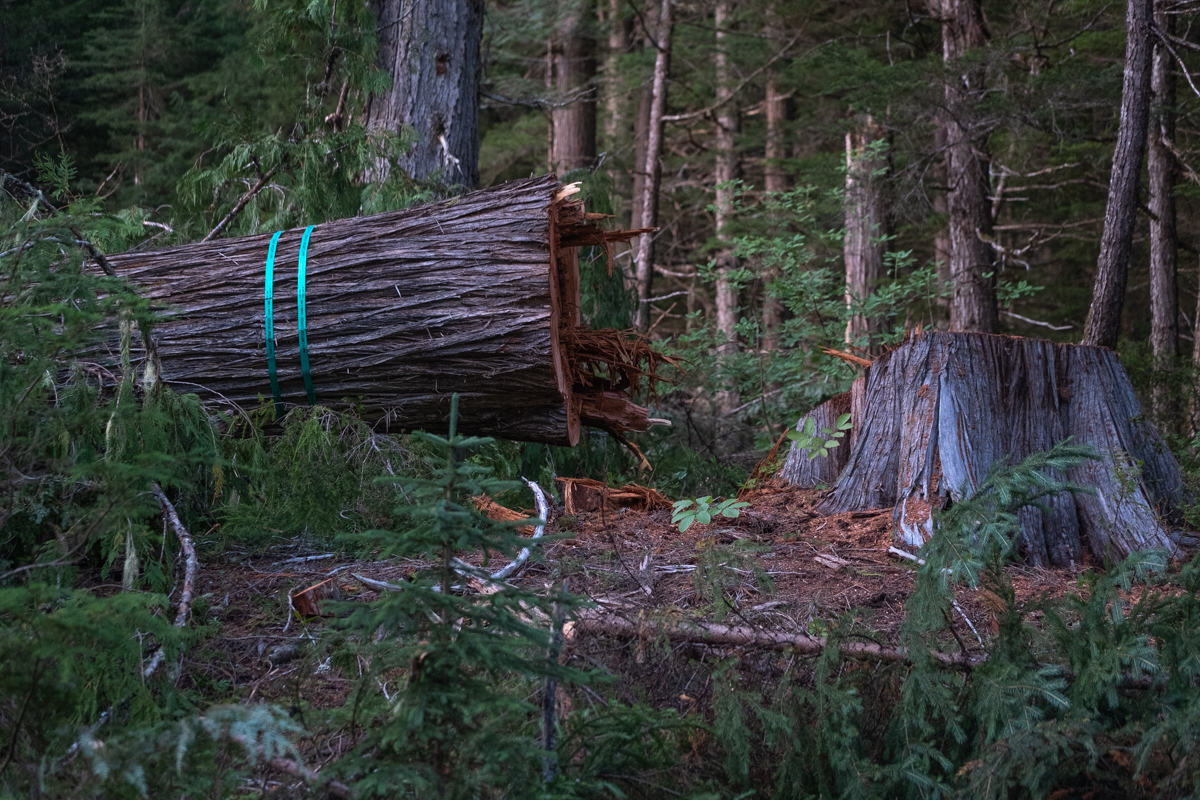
(1112, 269)
(942, 249)
(1164, 285)
(615, 97)
(431, 50)
(866, 223)
(973, 306)
(775, 181)
(641, 126)
(652, 166)
(728, 126)
(572, 70)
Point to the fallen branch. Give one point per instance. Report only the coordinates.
(543, 509)
(607, 624)
(240, 204)
(191, 564)
(335, 788)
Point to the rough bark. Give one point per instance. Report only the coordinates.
(1112, 268)
(941, 409)
(728, 126)
(477, 295)
(775, 181)
(431, 50)
(652, 166)
(866, 225)
(942, 248)
(572, 71)
(973, 304)
(616, 98)
(1164, 285)
(811, 473)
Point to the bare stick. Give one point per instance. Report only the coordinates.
(191, 564)
(240, 204)
(543, 509)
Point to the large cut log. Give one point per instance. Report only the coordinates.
(939, 410)
(477, 295)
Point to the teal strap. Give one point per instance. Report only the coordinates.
(269, 323)
(300, 318)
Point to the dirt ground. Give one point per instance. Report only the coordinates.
(802, 566)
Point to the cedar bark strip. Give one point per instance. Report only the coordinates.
(431, 50)
(941, 409)
(1112, 268)
(473, 295)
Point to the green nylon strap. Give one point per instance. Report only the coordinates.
(300, 318)
(269, 323)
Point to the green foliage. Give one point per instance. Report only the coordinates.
(721, 570)
(820, 443)
(455, 721)
(703, 510)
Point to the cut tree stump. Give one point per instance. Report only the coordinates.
(938, 411)
(477, 295)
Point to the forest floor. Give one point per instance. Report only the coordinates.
(795, 569)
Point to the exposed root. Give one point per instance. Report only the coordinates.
(191, 565)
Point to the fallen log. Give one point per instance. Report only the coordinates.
(938, 411)
(392, 314)
(602, 623)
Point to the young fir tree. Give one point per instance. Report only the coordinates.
(464, 648)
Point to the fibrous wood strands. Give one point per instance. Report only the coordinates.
(477, 295)
(932, 416)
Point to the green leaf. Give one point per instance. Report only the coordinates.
(687, 523)
(832, 443)
(843, 422)
(704, 517)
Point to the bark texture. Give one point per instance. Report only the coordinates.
(476, 295)
(572, 71)
(973, 305)
(866, 224)
(801, 470)
(1164, 250)
(775, 180)
(941, 409)
(652, 165)
(728, 126)
(431, 50)
(1112, 268)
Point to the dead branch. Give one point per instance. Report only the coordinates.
(601, 623)
(241, 204)
(191, 565)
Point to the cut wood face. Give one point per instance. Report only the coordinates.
(939, 411)
(477, 295)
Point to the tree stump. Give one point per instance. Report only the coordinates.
(938, 411)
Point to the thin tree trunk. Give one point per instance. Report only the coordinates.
(653, 166)
(1164, 286)
(1196, 368)
(866, 224)
(973, 306)
(641, 126)
(572, 70)
(1112, 269)
(615, 97)
(728, 125)
(431, 50)
(776, 181)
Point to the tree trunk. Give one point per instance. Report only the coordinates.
(1112, 269)
(821, 471)
(616, 98)
(941, 409)
(866, 226)
(973, 305)
(775, 182)
(431, 50)
(942, 249)
(572, 70)
(728, 126)
(1164, 286)
(652, 167)
(478, 295)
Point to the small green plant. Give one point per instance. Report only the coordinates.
(702, 510)
(819, 443)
